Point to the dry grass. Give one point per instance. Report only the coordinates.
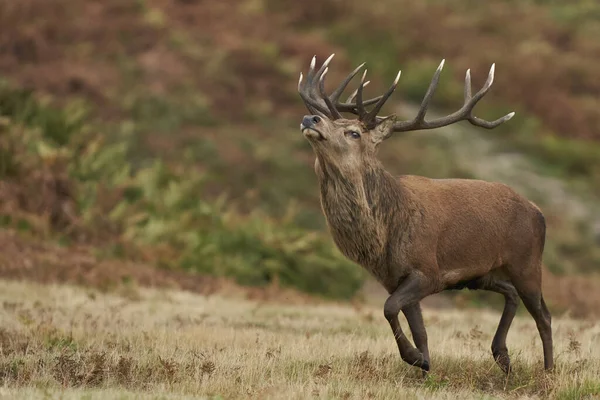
(68, 342)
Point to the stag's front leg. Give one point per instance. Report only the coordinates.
(410, 291)
(414, 317)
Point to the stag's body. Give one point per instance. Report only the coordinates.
(394, 226)
(419, 236)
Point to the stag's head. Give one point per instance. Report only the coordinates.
(339, 139)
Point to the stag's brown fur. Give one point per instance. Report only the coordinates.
(418, 236)
(452, 230)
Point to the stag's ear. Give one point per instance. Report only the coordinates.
(383, 129)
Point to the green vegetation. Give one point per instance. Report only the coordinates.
(175, 142)
(161, 206)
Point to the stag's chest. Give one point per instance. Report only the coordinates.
(354, 227)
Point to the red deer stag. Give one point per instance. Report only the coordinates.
(419, 236)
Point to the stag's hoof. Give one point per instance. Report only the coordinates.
(415, 358)
(502, 360)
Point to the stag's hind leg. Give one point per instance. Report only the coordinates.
(497, 282)
(526, 275)
(511, 302)
(534, 302)
(528, 282)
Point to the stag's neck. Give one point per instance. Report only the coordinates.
(363, 208)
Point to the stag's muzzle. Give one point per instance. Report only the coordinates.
(309, 122)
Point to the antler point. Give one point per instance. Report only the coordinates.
(397, 78)
(326, 63)
(491, 75)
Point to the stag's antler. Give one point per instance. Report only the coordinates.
(464, 113)
(332, 108)
(312, 91)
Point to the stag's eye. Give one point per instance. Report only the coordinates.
(353, 134)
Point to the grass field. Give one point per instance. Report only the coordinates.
(68, 342)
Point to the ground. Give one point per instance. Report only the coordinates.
(62, 341)
(204, 87)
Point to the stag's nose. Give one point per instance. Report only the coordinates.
(309, 121)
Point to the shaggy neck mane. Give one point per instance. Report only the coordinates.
(357, 203)
(368, 185)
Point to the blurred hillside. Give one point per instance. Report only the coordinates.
(165, 132)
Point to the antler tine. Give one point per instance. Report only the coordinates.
(324, 67)
(430, 91)
(419, 119)
(310, 77)
(468, 85)
(312, 105)
(486, 86)
(334, 112)
(464, 113)
(348, 106)
(359, 98)
(371, 116)
(311, 69)
(353, 95)
(335, 96)
(490, 124)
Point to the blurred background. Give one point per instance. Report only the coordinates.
(156, 142)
